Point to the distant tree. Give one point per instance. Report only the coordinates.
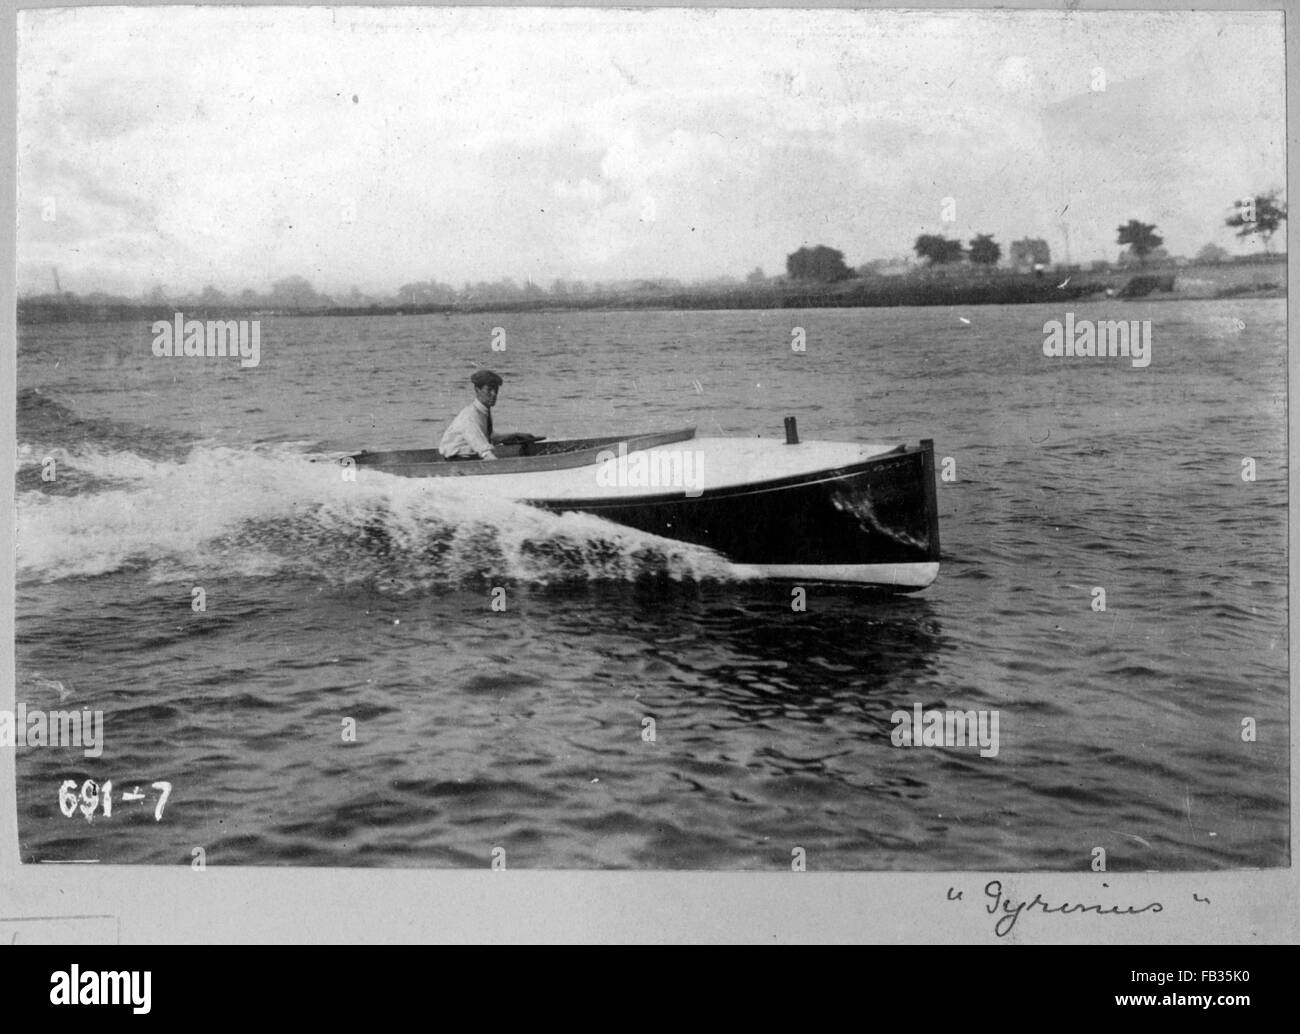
(937, 250)
(1212, 253)
(211, 296)
(984, 250)
(1141, 238)
(294, 292)
(1269, 216)
(819, 263)
(757, 276)
(426, 292)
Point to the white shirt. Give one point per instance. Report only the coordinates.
(467, 434)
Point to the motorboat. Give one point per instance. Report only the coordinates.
(801, 511)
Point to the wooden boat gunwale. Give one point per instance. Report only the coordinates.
(561, 454)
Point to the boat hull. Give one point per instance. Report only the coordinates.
(806, 512)
(872, 523)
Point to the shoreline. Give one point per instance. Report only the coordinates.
(1187, 283)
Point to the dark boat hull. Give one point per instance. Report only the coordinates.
(872, 523)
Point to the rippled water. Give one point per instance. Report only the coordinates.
(527, 730)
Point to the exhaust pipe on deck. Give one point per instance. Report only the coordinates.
(791, 431)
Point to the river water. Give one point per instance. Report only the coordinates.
(348, 696)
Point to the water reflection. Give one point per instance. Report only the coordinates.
(851, 653)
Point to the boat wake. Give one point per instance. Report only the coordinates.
(278, 511)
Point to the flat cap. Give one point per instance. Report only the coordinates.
(486, 378)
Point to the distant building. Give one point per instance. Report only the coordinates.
(1029, 254)
(887, 267)
(1127, 258)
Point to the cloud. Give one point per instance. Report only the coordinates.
(378, 146)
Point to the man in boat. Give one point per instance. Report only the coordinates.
(469, 436)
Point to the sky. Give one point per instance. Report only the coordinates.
(374, 147)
